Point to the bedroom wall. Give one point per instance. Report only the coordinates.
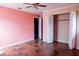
(15, 26)
(72, 24)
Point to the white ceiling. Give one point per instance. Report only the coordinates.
(41, 9)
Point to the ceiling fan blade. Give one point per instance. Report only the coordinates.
(42, 6)
(28, 3)
(37, 3)
(28, 6)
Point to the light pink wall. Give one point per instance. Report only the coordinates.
(15, 26)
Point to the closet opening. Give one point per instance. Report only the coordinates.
(61, 28)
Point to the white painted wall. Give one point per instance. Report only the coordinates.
(72, 30)
(63, 28)
(50, 29)
(40, 28)
(47, 28)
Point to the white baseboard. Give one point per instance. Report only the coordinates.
(77, 47)
(63, 41)
(15, 44)
(48, 41)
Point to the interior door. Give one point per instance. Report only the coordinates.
(36, 28)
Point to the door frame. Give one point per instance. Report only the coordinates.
(40, 31)
(72, 29)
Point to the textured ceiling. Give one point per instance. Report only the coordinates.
(41, 9)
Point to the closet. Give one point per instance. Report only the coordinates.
(61, 28)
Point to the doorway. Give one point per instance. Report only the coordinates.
(36, 28)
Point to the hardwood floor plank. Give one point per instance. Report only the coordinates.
(38, 48)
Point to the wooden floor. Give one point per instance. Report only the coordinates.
(39, 48)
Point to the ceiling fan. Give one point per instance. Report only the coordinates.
(34, 5)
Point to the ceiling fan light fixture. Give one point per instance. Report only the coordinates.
(35, 8)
